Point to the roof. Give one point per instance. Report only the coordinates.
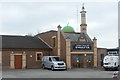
(68, 29)
(113, 49)
(51, 31)
(9, 41)
(75, 36)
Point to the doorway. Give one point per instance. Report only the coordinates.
(18, 61)
(77, 61)
(82, 60)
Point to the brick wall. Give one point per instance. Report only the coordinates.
(101, 51)
(47, 37)
(30, 61)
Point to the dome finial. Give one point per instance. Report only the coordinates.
(83, 8)
(68, 24)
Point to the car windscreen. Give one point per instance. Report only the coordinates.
(56, 59)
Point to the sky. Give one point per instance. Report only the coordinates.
(33, 17)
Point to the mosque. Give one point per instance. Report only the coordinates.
(77, 49)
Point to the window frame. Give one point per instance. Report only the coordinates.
(54, 41)
(41, 55)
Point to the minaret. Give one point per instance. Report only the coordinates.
(83, 20)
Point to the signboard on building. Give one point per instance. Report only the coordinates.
(82, 47)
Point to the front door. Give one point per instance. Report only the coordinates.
(77, 61)
(18, 61)
(82, 61)
(89, 61)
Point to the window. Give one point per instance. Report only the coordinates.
(82, 40)
(84, 29)
(53, 40)
(83, 15)
(50, 59)
(38, 56)
(56, 59)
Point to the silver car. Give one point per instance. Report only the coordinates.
(53, 62)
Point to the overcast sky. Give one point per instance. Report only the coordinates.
(22, 18)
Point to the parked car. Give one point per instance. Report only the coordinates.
(116, 74)
(111, 62)
(53, 62)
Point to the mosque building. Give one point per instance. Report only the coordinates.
(77, 49)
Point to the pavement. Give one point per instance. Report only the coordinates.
(46, 73)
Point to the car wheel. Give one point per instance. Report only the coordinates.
(43, 66)
(52, 68)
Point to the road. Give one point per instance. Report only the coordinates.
(40, 73)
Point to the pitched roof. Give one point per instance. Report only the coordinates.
(75, 36)
(46, 32)
(9, 41)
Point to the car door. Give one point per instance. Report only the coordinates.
(49, 62)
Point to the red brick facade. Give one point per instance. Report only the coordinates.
(30, 57)
(48, 38)
(101, 53)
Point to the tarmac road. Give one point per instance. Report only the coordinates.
(40, 73)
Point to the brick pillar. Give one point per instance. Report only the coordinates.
(24, 60)
(59, 30)
(12, 61)
(68, 55)
(95, 53)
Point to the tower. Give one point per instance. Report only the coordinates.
(83, 20)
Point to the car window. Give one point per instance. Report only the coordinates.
(56, 59)
(50, 59)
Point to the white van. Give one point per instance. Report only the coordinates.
(111, 62)
(53, 62)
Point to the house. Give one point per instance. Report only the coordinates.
(19, 52)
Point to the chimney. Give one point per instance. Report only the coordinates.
(58, 34)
